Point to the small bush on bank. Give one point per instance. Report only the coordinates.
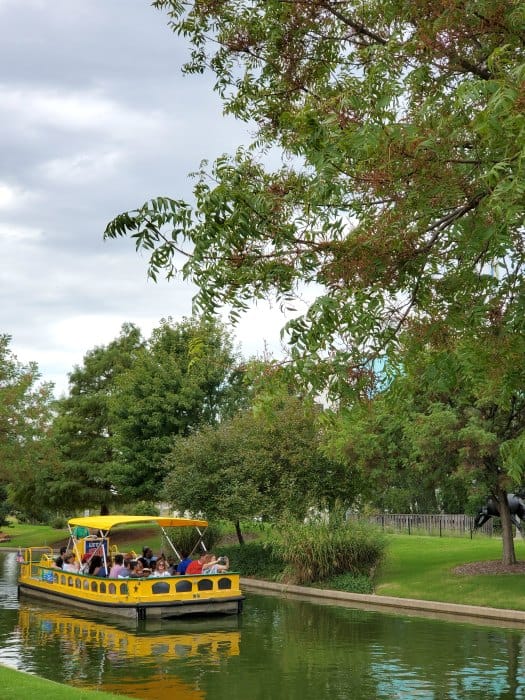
(319, 550)
(351, 583)
(58, 523)
(255, 559)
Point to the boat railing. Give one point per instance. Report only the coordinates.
(35, 558)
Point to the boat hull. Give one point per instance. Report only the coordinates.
(175, 609)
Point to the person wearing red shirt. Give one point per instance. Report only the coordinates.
(195, 566)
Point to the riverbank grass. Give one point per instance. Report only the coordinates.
(26, 535)
(423, 568)
(20, 686)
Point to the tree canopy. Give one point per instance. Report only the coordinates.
(186, 375)
(262, 462)
(386, 171)
(25, 420)
(402, 132)
(83, 428)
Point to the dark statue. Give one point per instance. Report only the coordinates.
(491, 509)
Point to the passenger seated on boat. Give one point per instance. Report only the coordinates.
(118, 566)
(147, 558)
(84, 564)
(137, 570)
(160, 569)
(216, 565)
(59, 561)
(96, 566)
(180, 567)
(195, 566)
(70, 563)
(126, 569)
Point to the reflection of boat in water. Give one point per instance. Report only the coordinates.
(180, 642)
(141, 598)
(88, 644)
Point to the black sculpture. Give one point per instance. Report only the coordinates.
(491, 509)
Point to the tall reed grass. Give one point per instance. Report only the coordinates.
(321, 549)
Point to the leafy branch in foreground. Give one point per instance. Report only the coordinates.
(401, 192)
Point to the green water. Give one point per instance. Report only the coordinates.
(278, 649)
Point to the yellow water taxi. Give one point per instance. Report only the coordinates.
(141, 598)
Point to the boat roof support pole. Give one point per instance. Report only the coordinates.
(200, 540)
(170, 543)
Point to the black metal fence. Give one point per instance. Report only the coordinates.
(447, 524)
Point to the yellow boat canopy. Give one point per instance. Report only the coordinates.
(106, 522)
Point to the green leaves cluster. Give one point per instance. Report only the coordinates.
(25, 420)
(83, 430)
(127, 403)
(187, 375)
(258, 463)
(401, 129)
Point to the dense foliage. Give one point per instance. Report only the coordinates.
(83, 428)
(185, 376)
(26, 455)
(260, 463)
(402, 130)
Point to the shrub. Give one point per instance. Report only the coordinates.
(321, 549)
(58, 522)
(257, 559)
(351, 583)
(143, 508)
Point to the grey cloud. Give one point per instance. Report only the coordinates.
(96, 119)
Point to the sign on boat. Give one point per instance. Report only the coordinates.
(142, 598)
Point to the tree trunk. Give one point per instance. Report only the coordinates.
(238, 531)
(509, 554)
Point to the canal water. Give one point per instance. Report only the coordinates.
(278, 649)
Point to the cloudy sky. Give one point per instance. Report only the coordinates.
(96, 118)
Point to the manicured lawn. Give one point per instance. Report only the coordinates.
(130, 537)
(21, 686)
(23, 535)
(421, 567)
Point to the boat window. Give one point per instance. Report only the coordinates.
(161, 587)
(225, 583)
(63, 580)
(78, 583)
(70, 581)
(102, 588)
(112, 588)
(205, 584)
(183, 586)
(94, 586)
(124, 589)
(86, 585)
